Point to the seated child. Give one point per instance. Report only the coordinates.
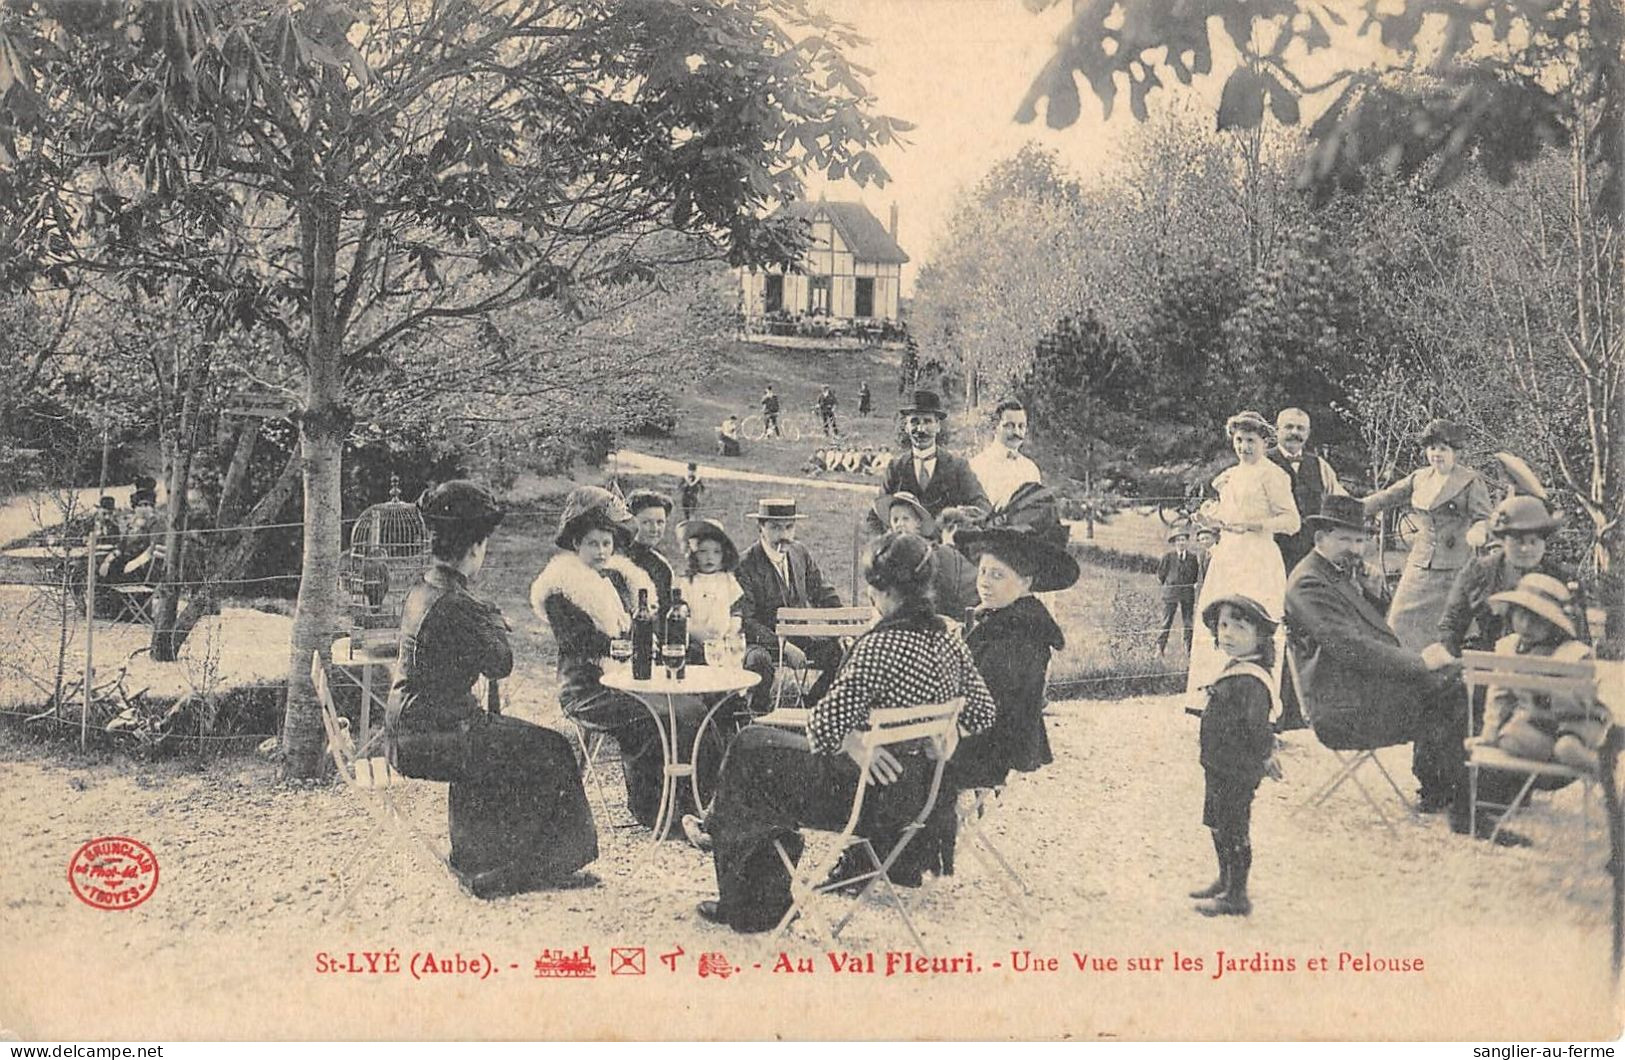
(1238, 745)
(712, 592)
(1531, 724)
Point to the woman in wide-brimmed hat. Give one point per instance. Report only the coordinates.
(953, 587)
(1255, 503)
(1451, 506)
(518, 815)
(588, 593)
(1520, 525)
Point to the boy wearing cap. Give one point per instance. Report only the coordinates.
(1177, 573)
(776, 572)
(690, 490)
(1520, 525)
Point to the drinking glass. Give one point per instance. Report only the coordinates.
(620, 652)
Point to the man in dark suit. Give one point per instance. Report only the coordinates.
(939, 479)
(1361, 688)
(1177, 572)
(778, 572)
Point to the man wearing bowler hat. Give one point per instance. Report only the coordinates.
(1361, 689)
(938, 478)
(776, 572)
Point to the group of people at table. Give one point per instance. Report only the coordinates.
(944, 552)
(952, 621)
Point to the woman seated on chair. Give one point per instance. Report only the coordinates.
(519, 816)
(776, 781)
(588, 593)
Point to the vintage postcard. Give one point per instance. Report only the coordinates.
(811, 519)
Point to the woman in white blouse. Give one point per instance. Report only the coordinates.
(1255, 503)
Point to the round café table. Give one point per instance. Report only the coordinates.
(698, 680)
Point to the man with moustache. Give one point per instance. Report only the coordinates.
(1001, 468)
(776, 572)
(1362, 688)
(938, 478)
(1312, 478)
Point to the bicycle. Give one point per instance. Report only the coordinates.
(754, 428)
(1190, 508)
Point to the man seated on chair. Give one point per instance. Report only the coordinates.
(1359, 687)
(776, 572)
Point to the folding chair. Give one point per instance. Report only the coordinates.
(1576, 680)
(375, 784)
(936, 723)
(971, 808)
(843, 623)
(135, 603)
(1349, 762)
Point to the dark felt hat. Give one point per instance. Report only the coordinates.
(593, 508)
(1179, 530)
(691, 531)
(1254, 610)
(1442, 431)
(1522, 514)
(459, 501)
(1052, 566)
(641, 499)
(1337, 510)
(927, 402)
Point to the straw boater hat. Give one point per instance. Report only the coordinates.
(1254, 611)
(591, 508)
(1444, 432)
(925, 401)
(1337, 510)
(1251, 422)
(775, 508)
(692, 531)
(1521, 514)
(887, 501)
(1542, 594)
(1052, 565)
(641, 499)
(459, 501)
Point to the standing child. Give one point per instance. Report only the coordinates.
(1536, 725)
(1237, 745)
(1206, 538)
(689, 490)
(712, 592)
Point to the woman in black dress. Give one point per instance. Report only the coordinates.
(518, 813)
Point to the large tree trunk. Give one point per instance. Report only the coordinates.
(323, 427)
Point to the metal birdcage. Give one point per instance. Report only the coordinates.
(389, 551)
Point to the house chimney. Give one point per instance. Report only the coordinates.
(894, 221)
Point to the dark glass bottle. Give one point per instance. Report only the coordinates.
(674, 637)
(643, 639)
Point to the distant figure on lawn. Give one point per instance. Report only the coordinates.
(1177, 573)
(826, 413)
(770, 413)
(728, 436)
(938, 478)
(1001, 468)
(690, 490)
(865, 400)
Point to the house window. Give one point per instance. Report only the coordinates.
(864, 299)
(775, 293)
(818, 294)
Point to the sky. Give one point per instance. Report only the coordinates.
(958, 69)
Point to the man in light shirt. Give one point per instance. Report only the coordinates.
(1000, 467)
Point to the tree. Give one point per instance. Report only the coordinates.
(357, 177)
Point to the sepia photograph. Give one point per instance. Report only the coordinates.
(816, 520)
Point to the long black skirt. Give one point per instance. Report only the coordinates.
(519, 804)
(771, 786)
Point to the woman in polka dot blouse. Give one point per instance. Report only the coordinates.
(775, 781)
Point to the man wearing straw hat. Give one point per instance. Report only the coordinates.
(778, 572)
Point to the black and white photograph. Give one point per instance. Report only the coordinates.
(815, 520)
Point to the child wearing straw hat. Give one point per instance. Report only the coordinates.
(1531, 724)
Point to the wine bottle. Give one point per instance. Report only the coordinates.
(643, 639)
(674, 637)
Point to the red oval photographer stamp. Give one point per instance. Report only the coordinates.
(113, 872)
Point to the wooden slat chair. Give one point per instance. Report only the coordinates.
(376, 786)
(935, 723)
(1349, 762)
(844, 623)
(1578, 680)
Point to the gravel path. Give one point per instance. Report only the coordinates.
(1109, 837)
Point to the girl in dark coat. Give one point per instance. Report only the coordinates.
(518, 814)
(1238, 745)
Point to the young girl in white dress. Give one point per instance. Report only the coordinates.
(1255, 503)
(712, 592)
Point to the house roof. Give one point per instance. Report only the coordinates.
(862, 231)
